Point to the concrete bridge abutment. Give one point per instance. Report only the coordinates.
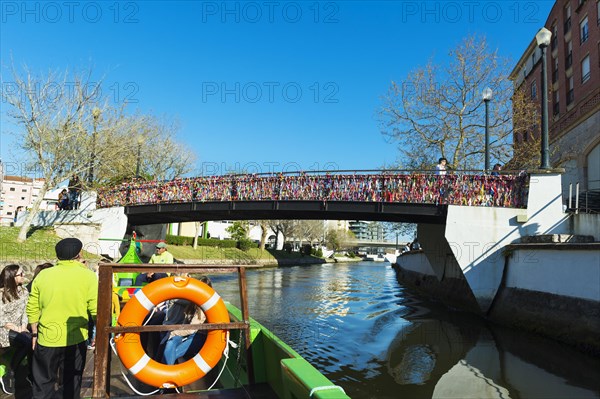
(472, 241)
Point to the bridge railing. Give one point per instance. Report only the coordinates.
(456, 188)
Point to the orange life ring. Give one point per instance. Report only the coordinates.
(151, 372)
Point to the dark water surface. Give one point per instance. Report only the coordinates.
(368, 334)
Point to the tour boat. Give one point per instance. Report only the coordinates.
(258, 363)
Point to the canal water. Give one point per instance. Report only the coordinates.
(370, 335)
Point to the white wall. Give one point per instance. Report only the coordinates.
(587, 224)
(555, 272)
(477, 235)
(593, 168)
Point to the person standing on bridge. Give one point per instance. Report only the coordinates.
(441, 167)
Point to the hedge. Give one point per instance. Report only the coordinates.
(207, 242)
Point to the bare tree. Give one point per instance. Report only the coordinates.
(198, 226)
(396, 229)
(143, 141)
(310, 230)
(264, 231)
(64, 127)
(438, 110)
(54, 115)
(287, 228)
(275, 228)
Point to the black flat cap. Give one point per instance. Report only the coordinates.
(68, 248)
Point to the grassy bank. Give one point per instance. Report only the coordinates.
(39, 247)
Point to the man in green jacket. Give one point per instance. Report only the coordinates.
(60, 301)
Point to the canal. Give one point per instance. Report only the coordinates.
(370, 335)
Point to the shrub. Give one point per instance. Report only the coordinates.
(179, 240)
(207, 242)
(307, 249)
(287, 247)
(245, 244)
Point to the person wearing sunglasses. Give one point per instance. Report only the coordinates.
(13, 319)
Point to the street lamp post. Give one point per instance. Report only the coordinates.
(543, 41)
(95, 114)
(487, 96)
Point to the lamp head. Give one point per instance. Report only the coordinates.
(543, 37)
(486, 95)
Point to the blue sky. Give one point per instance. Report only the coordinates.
(261, 86)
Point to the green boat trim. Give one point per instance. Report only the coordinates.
(275, 363)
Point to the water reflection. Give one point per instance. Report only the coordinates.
(361, 328)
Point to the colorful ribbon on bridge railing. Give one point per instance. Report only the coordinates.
(453, 189)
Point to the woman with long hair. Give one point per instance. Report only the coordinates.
(13, 320)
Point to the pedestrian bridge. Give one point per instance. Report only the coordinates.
(465, 219)
(401, 196)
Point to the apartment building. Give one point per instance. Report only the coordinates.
(17, 193)
(573, 70)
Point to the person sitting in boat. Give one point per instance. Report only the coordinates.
(13, 319)
(184, 343)
(162, 256)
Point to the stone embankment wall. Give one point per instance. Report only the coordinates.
(554, 290)
(414, 269)
(551, 289)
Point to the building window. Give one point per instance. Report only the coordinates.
(555, 71)
(569, 57)
(583, 30)
(23, 190)
(598, 11)
(570, 92)
(556, 106)
(554, 40)
(12, 189)
(585, 69)
(22, 198)
(567, 25)
(9, 213)
(533, 90)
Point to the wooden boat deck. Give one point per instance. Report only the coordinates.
(119, 388)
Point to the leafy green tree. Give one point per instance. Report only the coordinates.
(238, 230)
